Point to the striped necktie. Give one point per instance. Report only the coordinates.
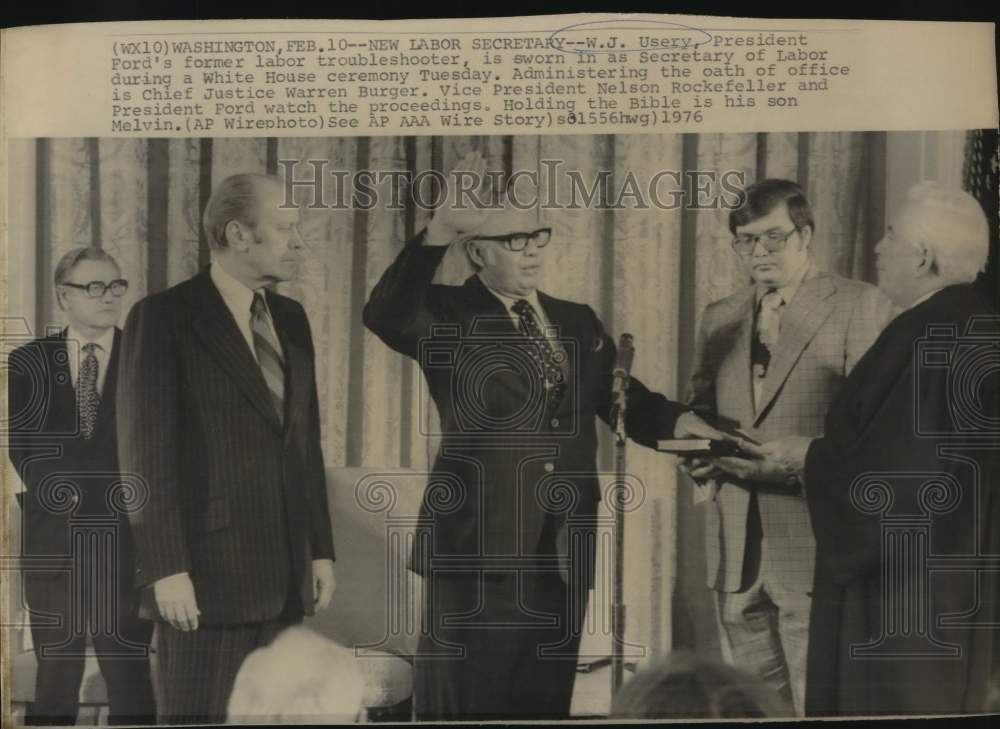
(548, 359)
(272, 366)
(766, 336)
(87, 397)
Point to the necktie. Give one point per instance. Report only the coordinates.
(87, 397)
(766, 336)
(272, 366)
(549, 360)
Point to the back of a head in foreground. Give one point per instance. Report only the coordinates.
(300, 678)
(683, 686)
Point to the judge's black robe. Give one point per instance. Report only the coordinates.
(903, 495)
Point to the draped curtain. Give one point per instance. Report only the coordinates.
(980, 173)
(648, 272)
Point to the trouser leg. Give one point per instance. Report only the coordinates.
(126, 670)
(750, 624)
(59, 652)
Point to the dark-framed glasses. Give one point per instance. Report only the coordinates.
(772, 240)
(97, 289)
(519, 241)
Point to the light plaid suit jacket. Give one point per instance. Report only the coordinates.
(825, 329)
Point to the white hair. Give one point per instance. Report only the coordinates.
(301, 677)
(952, 226)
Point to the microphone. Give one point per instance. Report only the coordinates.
(623, 364)
(621, 372)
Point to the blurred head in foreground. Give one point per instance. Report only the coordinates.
(683, 686)
(993, 699)
(299, 678)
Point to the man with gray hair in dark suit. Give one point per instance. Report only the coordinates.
(61, 438)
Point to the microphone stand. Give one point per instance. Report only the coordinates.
(621, 376)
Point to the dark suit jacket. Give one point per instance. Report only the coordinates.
(63, 474)
(236, 500)
(897, 444)
(511, 455)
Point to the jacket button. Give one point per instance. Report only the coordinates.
(554, 422)
(549, 467)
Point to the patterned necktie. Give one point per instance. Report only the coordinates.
(87, 397)
(549, 360)
(768, 325)
(272, 366)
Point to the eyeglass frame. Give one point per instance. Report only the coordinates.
(754, 239)
(507, 240)
(88, 288)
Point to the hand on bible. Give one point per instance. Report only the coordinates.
(176, 601)
(777, 461)
(689, 425)
(459, 214)
(699, 468)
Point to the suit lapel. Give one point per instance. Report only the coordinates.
(488, 311)
(61, 384)
(491, 319)
(801, 319)
(214, 325)
(106, 408)
(727, 348)
(561, 317)
(744, 313)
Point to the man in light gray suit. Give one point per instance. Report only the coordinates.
(769, 360)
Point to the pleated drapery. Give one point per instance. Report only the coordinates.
(649, 272)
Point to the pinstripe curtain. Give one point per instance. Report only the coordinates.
(650, 272)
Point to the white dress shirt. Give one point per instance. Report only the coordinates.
(532, 298)
(924, 298)
(74, 346)
(543, 322)
(239, 299)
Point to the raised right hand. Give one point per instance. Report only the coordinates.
(459, 215)
(176, 601)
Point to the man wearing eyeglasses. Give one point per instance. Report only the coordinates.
(769, 360)
(518, 378)
(62, 439)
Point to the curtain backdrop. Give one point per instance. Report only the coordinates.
(647, 272)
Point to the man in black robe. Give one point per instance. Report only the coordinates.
(903, 486)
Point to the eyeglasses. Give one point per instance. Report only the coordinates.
(97, 289)
(772, 240)
(519, 241)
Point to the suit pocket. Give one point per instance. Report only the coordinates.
(215, 515)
